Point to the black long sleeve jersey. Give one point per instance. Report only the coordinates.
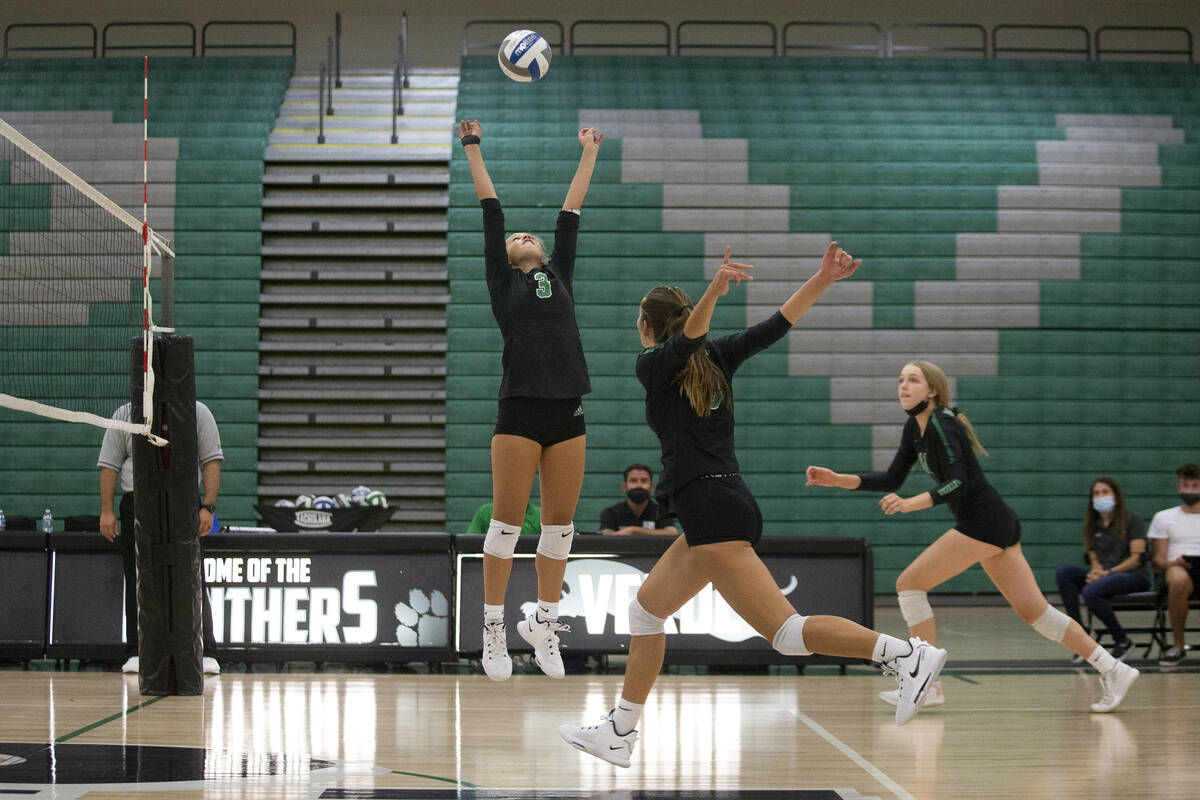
(945, 453)
(693, 446)
(543, 356)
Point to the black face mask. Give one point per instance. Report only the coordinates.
(637, 495)
(1189, 498)
(918, 408)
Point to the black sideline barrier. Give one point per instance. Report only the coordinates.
(330, 596)
(405, 597)
(87, 598)
(818, 576)
(24, 567)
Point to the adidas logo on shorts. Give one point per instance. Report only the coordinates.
(578, 411)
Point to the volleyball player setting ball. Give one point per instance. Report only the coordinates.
(690, 406)
(539, 423)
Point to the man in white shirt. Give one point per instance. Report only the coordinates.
(1175, 533)
(116, 466)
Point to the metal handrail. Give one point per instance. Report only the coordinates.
(337, 38)
(57, 48)
(404, 48)
(724, 25)
(643, 23)
(205, 46)
(539, 25)
(1086, 51)
(397, 98)
(321, 107)
(892, 47)
(1188, 52)
(105, 47)
(871, 26)
(329, 60)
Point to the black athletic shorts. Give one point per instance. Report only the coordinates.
(546, 422)
(716, 508)
(998, 526)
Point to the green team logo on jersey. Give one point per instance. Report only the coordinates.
(925, 465)
(543, 285)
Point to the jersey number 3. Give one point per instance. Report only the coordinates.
(543, 285)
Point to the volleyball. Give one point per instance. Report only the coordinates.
(376, 499)
(324, 502)
(305, 501)
(524, 56)
(358, 496)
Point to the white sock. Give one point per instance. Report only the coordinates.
(887, 648)
(493, 613)
(626, 715)
(546, 611)
(1101, 659)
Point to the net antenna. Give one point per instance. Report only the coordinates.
(68, 257)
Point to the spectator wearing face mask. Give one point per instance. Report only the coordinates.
(1176, 535)
(637, 513)
(1114, 545)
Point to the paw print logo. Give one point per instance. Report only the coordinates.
(424, 620)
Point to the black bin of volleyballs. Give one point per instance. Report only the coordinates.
(166, 494)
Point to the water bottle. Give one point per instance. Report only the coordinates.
(3, 524)
(47, 522)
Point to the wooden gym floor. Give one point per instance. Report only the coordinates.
(1016, 725)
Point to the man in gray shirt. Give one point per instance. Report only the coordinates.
(116, 465)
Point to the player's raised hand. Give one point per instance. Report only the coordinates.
(468, 128)
(590, 137)
(837, 263)
(730, 271)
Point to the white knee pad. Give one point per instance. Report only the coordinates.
(1052, 624)
(556, 541)
(501, 539)
(914, 606)
(642, 622)
(789, 639)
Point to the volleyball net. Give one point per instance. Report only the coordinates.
(74, 291)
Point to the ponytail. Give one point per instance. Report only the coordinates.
(976, 445)
(665, 309)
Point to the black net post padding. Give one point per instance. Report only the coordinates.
(166, 495)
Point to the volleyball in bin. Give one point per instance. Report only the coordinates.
(524, 56)
(376, 499)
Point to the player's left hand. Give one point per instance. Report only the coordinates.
(837, 263)
(730, 271)
(892, 504)
(206, 522)
(590, 137)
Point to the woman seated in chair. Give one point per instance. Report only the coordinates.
(1114, 544)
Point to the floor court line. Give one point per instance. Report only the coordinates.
(106, 720)
(849, 752)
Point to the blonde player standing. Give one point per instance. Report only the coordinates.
(986, 531)
(540, 425)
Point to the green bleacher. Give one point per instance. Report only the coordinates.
(896, 159)
(222, 111)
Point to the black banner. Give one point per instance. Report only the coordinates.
(309, 598)
(598, 586)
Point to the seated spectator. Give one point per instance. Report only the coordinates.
(483, 515)
(1176, 535)
(637, 513)
(1114, 548)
